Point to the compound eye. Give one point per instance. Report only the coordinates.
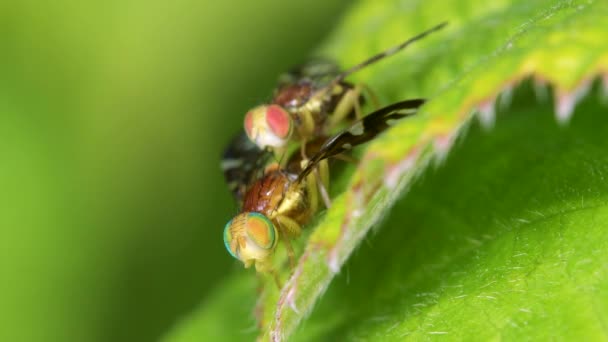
(228, 238)
(261, 231)
(279, 121)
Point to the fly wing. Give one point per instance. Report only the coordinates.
(318, 72)
(296, 86)
(363, 131)
(241, 163)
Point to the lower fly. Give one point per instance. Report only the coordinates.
(281, 200)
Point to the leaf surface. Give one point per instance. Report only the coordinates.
(506, 238)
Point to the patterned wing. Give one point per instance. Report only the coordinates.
(241, 163)
(318, 72)
(363, 131)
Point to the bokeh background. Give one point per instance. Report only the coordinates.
(112, 118)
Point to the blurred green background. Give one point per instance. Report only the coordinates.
(112, 119)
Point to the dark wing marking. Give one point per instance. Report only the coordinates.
(363, 131)
(241, 162)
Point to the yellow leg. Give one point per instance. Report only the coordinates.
(291, 255)
(277, 281)
(312, 190)
(323, 192)
(303, 150)
(322, 179)
(348, 102)
(307, 126)
(324, 172)
(265, 267)
(288, 228)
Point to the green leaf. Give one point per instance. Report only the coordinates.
(506, 238)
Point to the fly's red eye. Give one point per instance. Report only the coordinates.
(249, 124)
(279, 121)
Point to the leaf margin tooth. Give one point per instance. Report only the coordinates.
(566, 101)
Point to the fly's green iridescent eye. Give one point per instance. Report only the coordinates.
(261, 231)
(228, 239)
(250, 236)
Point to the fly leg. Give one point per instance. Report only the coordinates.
(322, 181)
(303, 150)
(320, 178)
(289, 228)
(306, 130)
(348, 102)
(275, 276)
(312, 188)
(266, 267)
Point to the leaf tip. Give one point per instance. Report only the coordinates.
(443, 144)
(565, 102)
(541, 89)
(333, 262)
(487, 114)
(506, 96)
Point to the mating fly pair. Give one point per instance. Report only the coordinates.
(277, 199)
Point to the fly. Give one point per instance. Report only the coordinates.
(311, 101)
(278, 203)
